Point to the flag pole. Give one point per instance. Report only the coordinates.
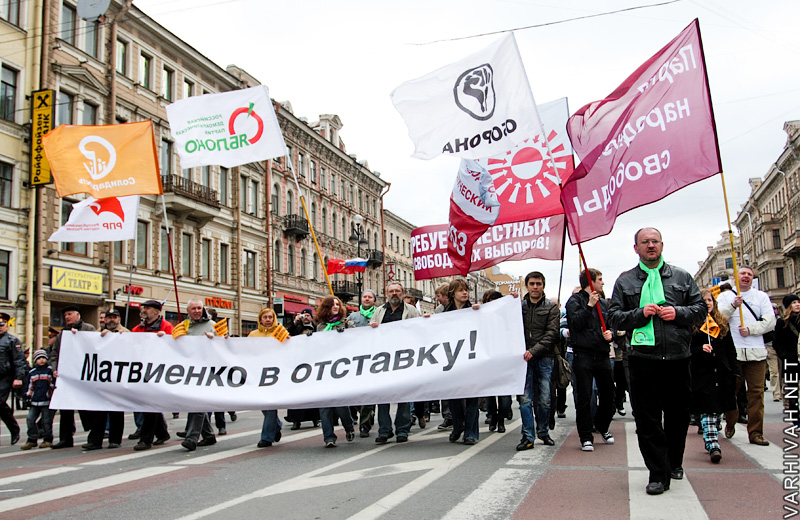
(171, 258)
(721, 175)
(563, 247)
(591, 286)
(310, 224)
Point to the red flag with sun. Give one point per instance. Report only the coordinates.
(527, 183)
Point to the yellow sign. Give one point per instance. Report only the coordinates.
(72, 280)
(43, 112)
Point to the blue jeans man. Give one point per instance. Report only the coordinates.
(270, 429)
(402, 422)
(536, 399)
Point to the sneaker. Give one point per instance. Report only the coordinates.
(622, 411)
(363, 432)
(351, 435)
(135, 435)
(446, 425)
(264, 444)
(222, 431)
(547, 440)
(28, 445)
(330, 444)
(587, 446)
(46, 444)
(608, 438)
(159, 442)
(716, 455)
(525, 444)
(208, 441)
(422, 422)
(142, 446)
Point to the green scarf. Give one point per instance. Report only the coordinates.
(367, 313)
(652, 292)
(330, 326)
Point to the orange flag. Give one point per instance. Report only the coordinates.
(104, 161)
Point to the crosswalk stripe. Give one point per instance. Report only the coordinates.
(769, 457)
(500, 492)
(35, 475)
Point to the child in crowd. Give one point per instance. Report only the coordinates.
(40, 389)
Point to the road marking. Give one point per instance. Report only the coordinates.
(214, 457)
(500, 493)
(679, 502)
(768, 457)
(84, 487)
(36, 475)
(635, 459)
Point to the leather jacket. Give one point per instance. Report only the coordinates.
(673, 338)
(540, 322)
(585, 330)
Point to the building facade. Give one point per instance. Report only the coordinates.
(719, 262)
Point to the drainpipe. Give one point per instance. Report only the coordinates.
(383, 237)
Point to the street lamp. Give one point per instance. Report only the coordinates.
(357, 239)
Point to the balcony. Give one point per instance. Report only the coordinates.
(345, 290)
(416, 293)
(791, 246)
(374, 258)
(296, 226)
(187, 198)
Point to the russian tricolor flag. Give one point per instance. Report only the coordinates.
(349, 266)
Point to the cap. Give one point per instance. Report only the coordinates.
(112, 312)
(788, 299)
(4, 317)
(152, 303)
(307, 310)
(38, 354)
(70, 308)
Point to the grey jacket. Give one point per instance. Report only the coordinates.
(409, 311)
(54, 352)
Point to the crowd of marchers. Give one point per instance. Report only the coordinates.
(683, 357)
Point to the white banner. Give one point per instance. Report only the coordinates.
(100, 220)
(230, 129)
(464, 353)
(477, 107)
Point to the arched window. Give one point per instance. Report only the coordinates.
(290, 259)
(333, 224)
(375, 240)
(289, 203)
(315, 268)
(324, 224)
(276, 199)
(313, 214)
(303, 260)
(276, 253)
(344, 229)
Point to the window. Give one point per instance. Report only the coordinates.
(205, 259)
(303, 260)
(729, 263)
(78, 248)
(5, 272)
(119, 251)
(300, 171)
(254, 197)
(322, 184)
(164, 257)
(64, 108)
(186, 173)
(145, 69)
(248, 326)
(360, 201)
(167, 80)
(391, 239)
(87, 34)
(122, 57)
(8, 93)
(350, 197)
(276, 199)
(313, 171)
(166, 157)
(276, 257)
(315, 267)
(141, 243)
(223, 186)
(6, 184)
(186, 254)
(324, 226)
(223, 262)
(243, 194)
(333, 183)
(250, 269)
(780, 279)
(776, 240)
(333, 224)
(344, 229)
(188, 89)
(89, 114)
(290, 259)
(9, 11)
(343, 193)
(289, 203)
(205, 176)
(313, 214)
(68, 24)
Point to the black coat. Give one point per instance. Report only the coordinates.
(785, 342)
(713, 374)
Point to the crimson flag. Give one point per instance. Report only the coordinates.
(652, 136)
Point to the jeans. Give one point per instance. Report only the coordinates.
(271, 426)
(138, 419)
(47, 423)
(197, 424)
(536, 399)
(327, 415)
(590, 369)
(402, 420)
(465, 417)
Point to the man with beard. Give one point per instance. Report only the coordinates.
(153, 423)
(394, 310)
(73, 324)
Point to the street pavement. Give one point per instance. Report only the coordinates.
(427, 477)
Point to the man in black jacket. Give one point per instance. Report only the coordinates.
(658, 304)
(590, 346)
(12, 371)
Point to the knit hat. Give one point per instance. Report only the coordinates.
(38, 354)
(788, 299)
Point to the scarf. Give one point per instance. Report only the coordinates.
(331, 324)
(367, 313)
(276, 330)
(710, 327)
(652, 292)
